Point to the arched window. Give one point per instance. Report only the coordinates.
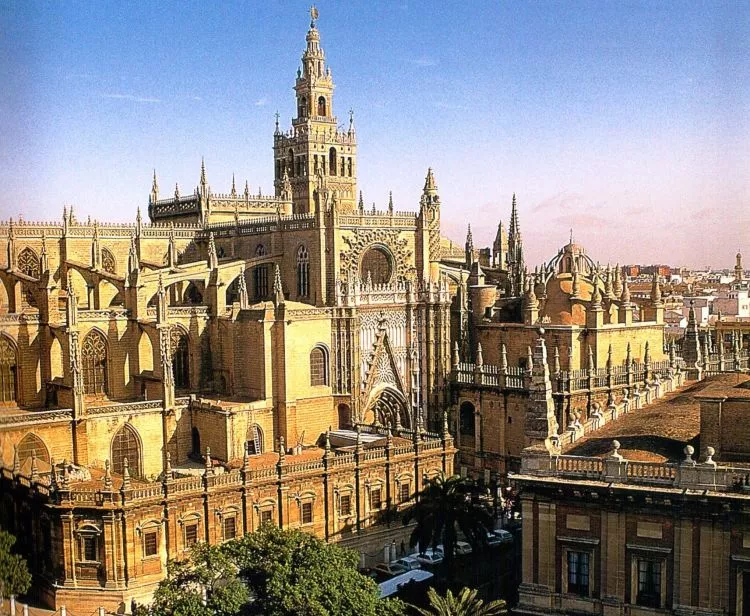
(349, 166)
(260, 275)
(28, 263)
(303, 272)
(376, 264)
(7, 371)
(126, 444)
(196, 441)
(29, 444)
(108, 261)
(322, 106)
(260, 281)
(467, 423)
(319, 366)
(290, 163)
(254, 442)
(332, 161)
(180, 358)
(302, 111)
(94, 363)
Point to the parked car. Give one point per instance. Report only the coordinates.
(409, 563)
(430, 557)
(498, 537)
(461, 548)
(390, 569)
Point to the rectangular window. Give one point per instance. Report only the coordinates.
(376, 498)
(90, 553)
(649, 583)
(266, 516)
(578, 573)
(345, 507)
(150, 543)
(230, 527)
(404, 492)
(307, 512)
(191, 535)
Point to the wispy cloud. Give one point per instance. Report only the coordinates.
(261, 102)
(424, 61)
(132, 97)
(195, 98)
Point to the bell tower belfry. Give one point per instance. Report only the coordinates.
(316, 146)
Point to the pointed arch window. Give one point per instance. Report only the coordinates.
(32, 444)
(28, 263)
(180, 358)
(303, 272)
(7, 371)
(94, 363)
(254, 442)
(108, 261)
(260, 275)
(126, 444)
(319, 366)
(332, 161)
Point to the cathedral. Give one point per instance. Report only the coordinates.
(236, 359)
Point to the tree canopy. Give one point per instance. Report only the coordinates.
(445, 506)
(295, 573)
(15, 578)
(273, 572)
(465, 603)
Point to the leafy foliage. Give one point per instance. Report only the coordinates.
(15, 578)
(208, 570)
(272, 572)
(296, 574)
(465, 603)
(446, 505)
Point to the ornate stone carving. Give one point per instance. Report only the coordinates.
(362, 239)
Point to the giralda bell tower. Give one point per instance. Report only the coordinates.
(316, 150)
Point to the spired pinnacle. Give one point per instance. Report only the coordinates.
(429, 182)
(203, 172)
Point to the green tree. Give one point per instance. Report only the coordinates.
(445, 506)
(15, 578)
(293, 573)
(206, 584)
(465, 603)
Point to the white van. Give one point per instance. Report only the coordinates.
(392, 586)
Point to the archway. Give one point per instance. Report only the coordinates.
(467, 424)
(389, 407)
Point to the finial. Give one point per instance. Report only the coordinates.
(34, 466)
(313, 15)
(234, 189)
(203, 172)
(571, 236)
(689, 450)
(328, 442)
(615, 455)
(209, 462)
(107, 477)
(168, 466)
(361, 204)
(479, 358)
(176, 191)
(125, 474)
(390, 201)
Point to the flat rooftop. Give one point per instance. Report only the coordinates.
(659, 432)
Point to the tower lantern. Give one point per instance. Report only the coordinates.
(315, 145)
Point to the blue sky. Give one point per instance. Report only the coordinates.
(627, 121)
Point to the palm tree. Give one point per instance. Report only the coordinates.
(445, 505)
(463, 604)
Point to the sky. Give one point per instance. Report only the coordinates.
(627, 122)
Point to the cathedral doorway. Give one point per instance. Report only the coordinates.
(388, 407)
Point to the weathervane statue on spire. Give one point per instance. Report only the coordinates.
(313, 15)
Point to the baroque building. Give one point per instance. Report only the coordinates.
(237, 359)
